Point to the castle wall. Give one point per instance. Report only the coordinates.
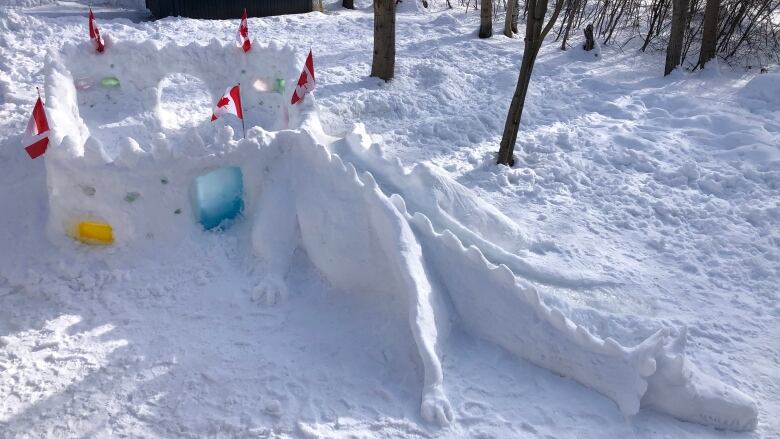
(142, 184)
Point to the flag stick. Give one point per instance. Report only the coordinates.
(39, 92)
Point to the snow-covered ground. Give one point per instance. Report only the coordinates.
(667, 187)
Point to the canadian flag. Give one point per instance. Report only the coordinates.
(306, 82)
(243, 34)
(94, 33)
(229, 104)
(36, 137)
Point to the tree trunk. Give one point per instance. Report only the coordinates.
(512, 125)
(674, 49)
(709, 36)
(535, 31)
(510, 11)
(486, 19)
(589, 41)
(349, 4)
(383, 65)
(515, 16)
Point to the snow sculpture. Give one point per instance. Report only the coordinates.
(417, 239)
(116, 163)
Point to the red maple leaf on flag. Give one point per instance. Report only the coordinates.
(243, 34)
(229, 103)
(36, 137)
(306, 82)
(94, 33)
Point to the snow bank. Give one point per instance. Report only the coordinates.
(409, 6)
(763, 91)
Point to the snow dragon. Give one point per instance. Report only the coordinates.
(362, 239)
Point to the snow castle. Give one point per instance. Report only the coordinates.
(122, 168)
(127, 168)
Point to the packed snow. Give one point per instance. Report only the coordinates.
(637, 203)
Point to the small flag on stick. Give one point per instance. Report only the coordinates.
(306, 83)
(94, 33)
(243, 34)
(36, 137)
(230, 103)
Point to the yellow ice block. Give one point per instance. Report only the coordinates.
(95, 233)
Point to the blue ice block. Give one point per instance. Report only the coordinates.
(219, 196)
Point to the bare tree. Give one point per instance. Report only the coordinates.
(383, 65)
(658, 11)
(349, 4)
(511, 6)
(486, 19)
(746, 30)
(742, 30)
(572, 8)
(709, 36)
(676, 35)
(535, 31)
(512, 13)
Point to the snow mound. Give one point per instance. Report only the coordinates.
(409, 6)
(764, 88)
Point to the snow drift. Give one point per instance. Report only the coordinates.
(418, 241)
(762, 91)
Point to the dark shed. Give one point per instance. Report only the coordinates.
(226, 9)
